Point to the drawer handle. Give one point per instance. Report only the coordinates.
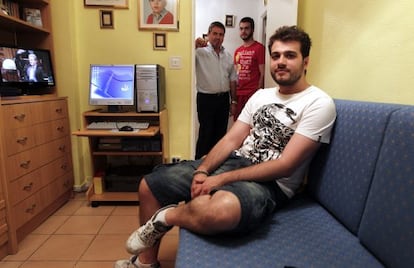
(22, 140)
(25, 164)
(20, 117)
(62, 148)
(59, 110)
(64, 166)
(61, 128)
(28, 187)
(31, 209)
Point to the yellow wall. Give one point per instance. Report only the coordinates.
(79, 41)
(362, 49)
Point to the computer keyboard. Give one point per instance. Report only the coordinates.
(117, 125)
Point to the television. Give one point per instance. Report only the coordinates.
(25, 71)
(112, 85)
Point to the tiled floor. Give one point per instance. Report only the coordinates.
(80, 236)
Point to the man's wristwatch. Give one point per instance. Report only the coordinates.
(233, 102)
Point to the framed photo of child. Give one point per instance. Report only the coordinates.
(158, 15)
(107, 3)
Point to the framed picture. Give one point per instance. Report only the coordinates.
(229, 21)
(107, 19)
(160, 41)
(161, 15)
(107, 3)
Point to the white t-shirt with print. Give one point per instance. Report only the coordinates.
(275, 117)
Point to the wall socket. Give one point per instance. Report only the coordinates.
(175, 159)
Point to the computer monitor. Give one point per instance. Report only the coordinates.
(26, 69)
(112, 85)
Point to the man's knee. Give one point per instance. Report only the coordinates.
(143, 188)
(221, 209)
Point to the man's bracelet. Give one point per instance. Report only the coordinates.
(201, 172)
(233, 102)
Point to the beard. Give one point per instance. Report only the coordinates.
(247, 37)
(291, 80)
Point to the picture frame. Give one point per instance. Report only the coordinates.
(229, 22)
(106, 3)
(107, 19)
(160, 41)
(169, 20)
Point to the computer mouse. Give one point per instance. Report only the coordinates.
(126, 128)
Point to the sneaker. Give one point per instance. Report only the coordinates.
(148, 234)
(133, 263)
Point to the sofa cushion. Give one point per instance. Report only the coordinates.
(300, 235)
(387, 226)
(341, 173)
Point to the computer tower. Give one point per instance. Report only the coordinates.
(150, 86)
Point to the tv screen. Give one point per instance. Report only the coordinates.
(27, 69)
(112, 85)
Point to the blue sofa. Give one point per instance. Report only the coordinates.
(357, 209)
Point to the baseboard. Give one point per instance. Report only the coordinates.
(81, 188)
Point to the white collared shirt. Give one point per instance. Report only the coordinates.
(214, 72)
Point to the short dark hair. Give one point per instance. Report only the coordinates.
(292, 33)
(216, 24)
(249, 20)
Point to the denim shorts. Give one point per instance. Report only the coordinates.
(171, 184)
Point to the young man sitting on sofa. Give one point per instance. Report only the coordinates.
(252, 171)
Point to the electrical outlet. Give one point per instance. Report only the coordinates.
(176, 159)
(175, 62)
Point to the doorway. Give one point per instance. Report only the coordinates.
(217, 10)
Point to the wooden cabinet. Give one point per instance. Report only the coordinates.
(148, 147)
(15, 30)
(35, 152)
(36, 161)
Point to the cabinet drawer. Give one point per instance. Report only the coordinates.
(25, 187)
(27, 209)
(20, 139)
(18, 115)
(49, 110)
(4, 237)
(27, 161)
(55, 169)
(25, 114)
(2, 212)
(3, 224)
(22, 163)
(61, 185)
(55, 149)
(54, 129)
(57, 109)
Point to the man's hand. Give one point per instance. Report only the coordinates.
(203, 184)
(196, 186)
(200, 42)
(233, 108)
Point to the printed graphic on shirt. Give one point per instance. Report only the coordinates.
(244, 61)
(270, 133)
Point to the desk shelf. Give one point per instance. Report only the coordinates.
(95, 199)
(157, 132)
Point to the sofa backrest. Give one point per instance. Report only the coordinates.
(340, 174)
(387, 225)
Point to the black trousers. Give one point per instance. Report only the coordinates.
(213, 116)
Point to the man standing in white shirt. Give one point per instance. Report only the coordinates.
(216, 87)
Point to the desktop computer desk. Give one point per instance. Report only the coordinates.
(112, 149)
